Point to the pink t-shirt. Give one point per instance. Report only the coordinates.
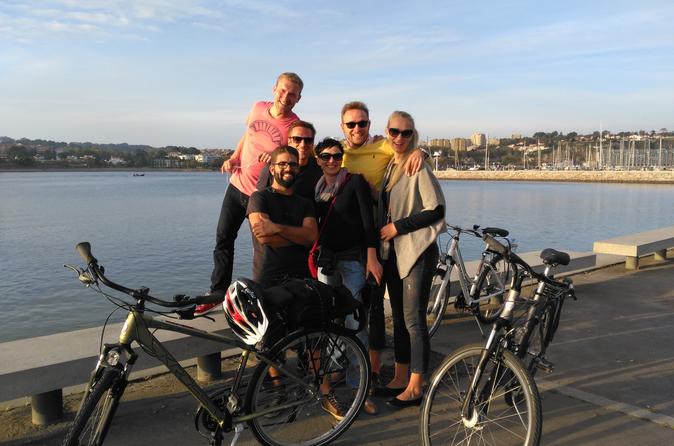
(263, 135)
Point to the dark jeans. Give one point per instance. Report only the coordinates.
(232, 215)
(373, 296)
(409, 299)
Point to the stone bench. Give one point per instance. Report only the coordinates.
(637, 245)
(42, 367)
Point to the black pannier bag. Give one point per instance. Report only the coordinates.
(313, 303)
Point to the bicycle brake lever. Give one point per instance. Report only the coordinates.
(204, 316)
(82, 275)
(186, 313)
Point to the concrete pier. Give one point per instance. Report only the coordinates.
(612, 383)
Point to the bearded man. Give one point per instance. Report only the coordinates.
(282, 222)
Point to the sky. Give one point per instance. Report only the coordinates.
(186, 72)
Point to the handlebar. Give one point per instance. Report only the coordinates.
(488, 235)
(141, 294)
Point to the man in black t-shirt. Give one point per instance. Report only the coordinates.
(282, 222)
(301, 136)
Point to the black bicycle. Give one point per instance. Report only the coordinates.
(283, 403)
(485, 394)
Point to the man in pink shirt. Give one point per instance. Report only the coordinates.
(267, 128)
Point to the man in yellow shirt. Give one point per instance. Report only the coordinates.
(364, 154)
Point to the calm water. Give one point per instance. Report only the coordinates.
(158, 231)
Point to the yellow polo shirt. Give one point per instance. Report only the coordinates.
(370, 160)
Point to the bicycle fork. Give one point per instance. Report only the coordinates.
(468, 413)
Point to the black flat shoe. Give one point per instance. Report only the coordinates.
(388, 391)
(401, 404)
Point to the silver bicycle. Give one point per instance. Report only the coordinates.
(482, 295)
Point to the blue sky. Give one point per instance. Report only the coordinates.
(186, 72)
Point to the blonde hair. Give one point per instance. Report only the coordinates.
(292, 77)
(399, 170)
(355, 105)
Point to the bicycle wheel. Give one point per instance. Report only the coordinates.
(293, 412)
(437, 302)
(92, 421)
(497, 418)
(538, 341)
(491, 283)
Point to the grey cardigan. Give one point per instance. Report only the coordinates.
(411, 195)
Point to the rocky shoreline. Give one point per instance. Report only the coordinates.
(576, 176)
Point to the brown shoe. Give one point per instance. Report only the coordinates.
(370, 408)
(331, 405)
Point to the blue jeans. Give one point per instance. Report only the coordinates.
(350, 273)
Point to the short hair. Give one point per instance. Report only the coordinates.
(283, 149)
(326, 144)
(355, 105)
(292, 77)
(303, 124)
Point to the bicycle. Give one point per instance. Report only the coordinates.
(484, 394)
(483, 294)
(281, 407)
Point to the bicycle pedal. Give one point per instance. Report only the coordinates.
(545, 365)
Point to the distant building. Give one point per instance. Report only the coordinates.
(113, 160)
(208, 158)
(460, 144)
(479, 139)
(516, 136)
(494, 141)
(441, 143)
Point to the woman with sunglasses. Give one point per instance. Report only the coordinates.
(349, 232)
(411, 215)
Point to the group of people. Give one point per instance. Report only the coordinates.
(374, 205)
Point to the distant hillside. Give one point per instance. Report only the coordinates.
(48, 144)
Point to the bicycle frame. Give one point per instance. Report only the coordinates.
(137, 329)
(455, 258)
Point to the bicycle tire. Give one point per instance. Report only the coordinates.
(93, 420)
(437, 304)
(497, 419)
(308, 423)
(492, 280)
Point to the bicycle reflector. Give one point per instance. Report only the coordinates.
(244, 313)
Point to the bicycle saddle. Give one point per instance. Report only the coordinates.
(495, 231)
(553, 257)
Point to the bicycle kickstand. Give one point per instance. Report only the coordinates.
(479, 327)
(237, 432)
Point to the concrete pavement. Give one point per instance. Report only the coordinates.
(613, 382)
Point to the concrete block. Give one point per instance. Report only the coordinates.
(47, 407)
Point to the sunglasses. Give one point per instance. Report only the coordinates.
(285, 164)
(326, 156)
(353, 124)
(404, 133)
(298, 139)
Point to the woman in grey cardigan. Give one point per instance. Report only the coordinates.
(411, 215)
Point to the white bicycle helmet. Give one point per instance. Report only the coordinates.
(244, 312)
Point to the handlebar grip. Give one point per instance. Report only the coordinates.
(84, 249)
